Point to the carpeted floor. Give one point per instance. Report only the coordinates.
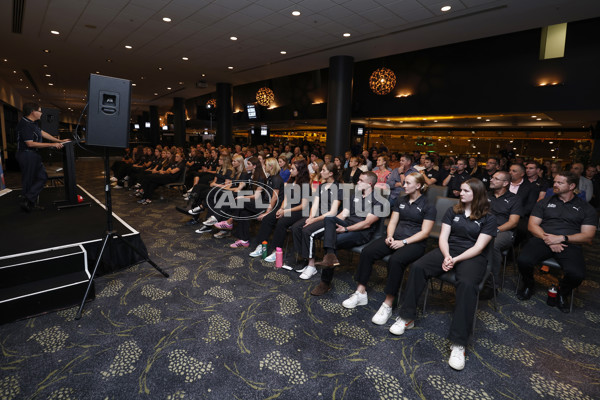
(225, 326)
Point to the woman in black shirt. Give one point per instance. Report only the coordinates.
(171, 174)
(407, 232)
(467, 228)
(352, 173)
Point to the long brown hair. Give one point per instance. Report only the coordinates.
(480, 205)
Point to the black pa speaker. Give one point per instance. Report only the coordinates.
(108, 111)
(49, 121)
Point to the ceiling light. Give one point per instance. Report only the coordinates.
(46, 51)
(166, 19)
(108, 60)
(478, 117)
(45, 65)
(128, 46)
(296, 13)
(283, 52)
(160, 68)
(168, 88)
(203, 75)
(55, 32)
(156, 94)
(97, 72)
(184, 58)
(347, 34)
(233, 38)
(5, 60)
(50, 84)
(181, 83)
(14, 72)
(48, 75)
(446, 8)
(534, 116)
(141, 77)
(487, 120)
(133, 84)
(229, 67)
(538, 119)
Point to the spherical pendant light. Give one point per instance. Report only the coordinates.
(265, 96)
(382, 81)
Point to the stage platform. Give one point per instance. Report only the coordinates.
(47, 256)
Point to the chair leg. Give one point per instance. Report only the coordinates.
(425, 301)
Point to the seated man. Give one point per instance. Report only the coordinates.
(560, 224)
(354, 226)
(506, 207)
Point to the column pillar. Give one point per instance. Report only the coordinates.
(339, 104)
(154, 136)
(224, 134)
(179, 120)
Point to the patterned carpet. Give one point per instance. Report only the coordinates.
(225, 326)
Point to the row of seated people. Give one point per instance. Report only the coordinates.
(559, 225)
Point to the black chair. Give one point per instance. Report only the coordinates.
(450, 277)
(442, 204)
(179, 183)
(510, 251)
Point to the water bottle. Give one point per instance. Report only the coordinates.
(552, 296)
(278, 257)
(264, 250)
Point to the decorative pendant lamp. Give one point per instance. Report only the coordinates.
(382, 81)
(212, 103)
(265, 96)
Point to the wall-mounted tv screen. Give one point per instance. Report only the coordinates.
(264, 130)
(251, 111)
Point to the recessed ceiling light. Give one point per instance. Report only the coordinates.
(55, 32)
(50, 84)
(20, 79)
(478, 117)
(156, 94)
(487, 120)
(229, 67)
(46, 51)
(48, 75)
(26, 87)
(128, 46)
(5, 60)
(97, 72)
(538, 119)
(283, 52)
(160, 68)
(296, 13)
(184, 58)
(133, 84)
(14, 72)
(141, 77)
(347, 34)
(108, 60)
(233, 38)
(203, 75)
(181, 83)
(534, 116)
(168, 88)
(166, 19)
(446, 8)
(45, 65)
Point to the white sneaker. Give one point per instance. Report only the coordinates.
(356, 299)
(400, 326)
(257, 252)
(211, 221)
(308, 273)
(117, 186)
(301, 270)
(382, 316)
(271, 258)
(113, 179)
(457, 357)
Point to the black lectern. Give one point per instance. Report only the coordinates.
(69, 178)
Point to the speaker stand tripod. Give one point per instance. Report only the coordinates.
(110, 233)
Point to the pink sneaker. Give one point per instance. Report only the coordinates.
(239, 243)
(223, 225)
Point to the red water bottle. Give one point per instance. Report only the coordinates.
(552, 296)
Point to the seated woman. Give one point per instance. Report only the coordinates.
(238, 182)
(326, 203)
(352, 173)
(294, 202)
(314, 169)
(407, 232)
(467, 228)
(169, 175)
(382, 171)
(284, 169)
(205, 173)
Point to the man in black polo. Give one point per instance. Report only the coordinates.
(506, 207)
(560, 224)
(29, 141)
(532, 171)
(354, 226)
(527, 192)
(491, 167)
(430, 174)
(456, 178)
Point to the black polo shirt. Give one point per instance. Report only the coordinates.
(27, 130)
(274, 182)
(411, 216)
(542, 184)
(328, 193)
(457, 180)
(360, 207)
(559, 218)
(464, 231)
(486, 177)
(504, 206)
(433, 174)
